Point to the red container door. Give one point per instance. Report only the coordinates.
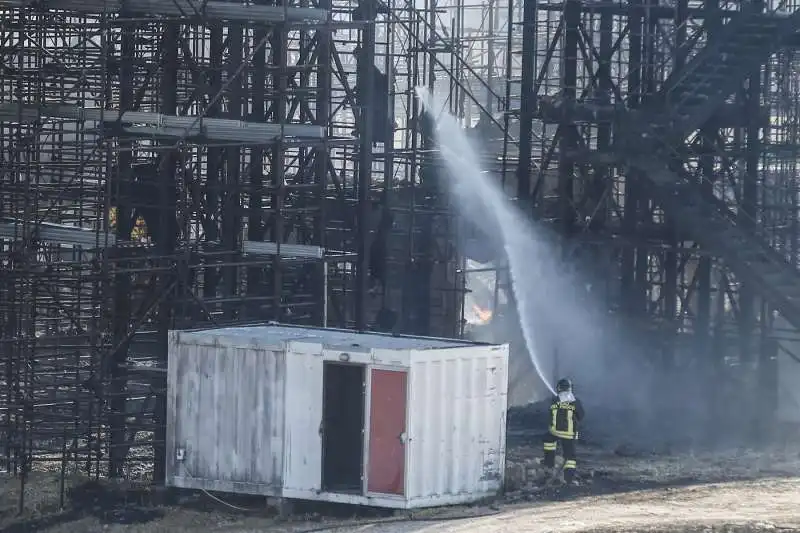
(387, 426)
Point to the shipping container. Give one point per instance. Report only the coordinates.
(334, 415)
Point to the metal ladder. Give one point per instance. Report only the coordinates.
(693, 93)
(690, 96)
(686, 101)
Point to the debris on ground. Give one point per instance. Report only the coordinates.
(646, 479)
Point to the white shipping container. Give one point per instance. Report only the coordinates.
(334, 415)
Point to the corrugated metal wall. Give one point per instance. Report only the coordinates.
(232, 398)
(248, 417)
(457, 401)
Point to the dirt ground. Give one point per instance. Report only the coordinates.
(736, 491)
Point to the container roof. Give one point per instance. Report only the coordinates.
(334, 337)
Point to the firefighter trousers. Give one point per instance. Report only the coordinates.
(567, 448)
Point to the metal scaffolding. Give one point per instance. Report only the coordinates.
(188, 163)
(170, 165)
(660, 139)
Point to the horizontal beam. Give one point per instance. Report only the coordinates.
(298, 251)
(87, 238)
(156, 124)
(212, 10)
(56, 233)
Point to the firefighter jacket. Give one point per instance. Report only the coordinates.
(566, 412)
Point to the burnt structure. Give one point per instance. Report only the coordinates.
(661, 139)
(194, 163)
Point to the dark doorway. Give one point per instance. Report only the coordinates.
(343, 411)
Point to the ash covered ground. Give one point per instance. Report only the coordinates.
(622, 488)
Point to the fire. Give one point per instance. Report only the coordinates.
(484, 315)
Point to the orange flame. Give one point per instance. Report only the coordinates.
(484, 315)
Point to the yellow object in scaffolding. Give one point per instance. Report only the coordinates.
(139, 233)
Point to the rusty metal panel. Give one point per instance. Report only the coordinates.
(456, 424)
(386, 465)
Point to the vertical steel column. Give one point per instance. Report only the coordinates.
(633, 184)
(321, 153)
(491, 8)
(366, 62)
(527, 104)
(421, 270)
(604, 83)
(507, 111)
(602, 180)
(232, 209)
(214, 164)
(647, 86)
(416, 161)
(568, 141)
(671, 255)
(122, 280)
(703, 321)
(279, 44)
(389, 183)
(16, 278)
(256, 230)
(747, 214)
(166, 191)
(753, 355)
(28, 152)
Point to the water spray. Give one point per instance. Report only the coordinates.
(460, 160)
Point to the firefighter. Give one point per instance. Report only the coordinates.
(566, 411)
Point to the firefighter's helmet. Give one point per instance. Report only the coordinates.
(563, 385)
